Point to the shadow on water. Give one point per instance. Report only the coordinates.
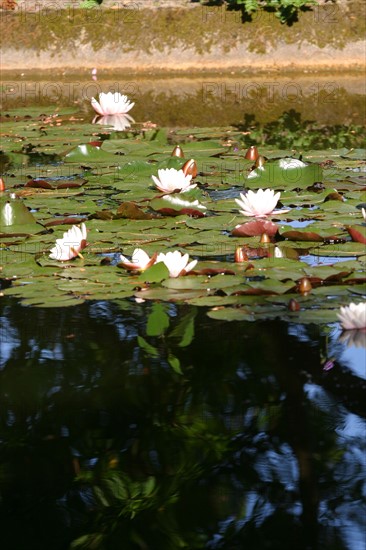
(151, 426)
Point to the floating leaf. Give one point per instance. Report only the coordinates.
(272, 174)
(230, 314)
(154, 274)
(358, 233)
(131, 211)
(255, 228)
(176, 204)
(89, 153)
(302, 236)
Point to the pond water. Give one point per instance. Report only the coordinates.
(223, 100)
(147, 424)
(256, 440)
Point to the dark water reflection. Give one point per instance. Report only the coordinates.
(200, 434)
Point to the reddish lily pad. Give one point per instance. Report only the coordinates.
(64, 221)
(131, 211)
(358, 233)
(255, 228)
(38, 184)
(302, 236)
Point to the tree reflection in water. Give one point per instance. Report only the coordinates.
(150, 426)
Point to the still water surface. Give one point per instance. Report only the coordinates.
(201, 435)
(208, 101)
(188, 433)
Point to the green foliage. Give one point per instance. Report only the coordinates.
(290, 131)
(285, 10)
(88, 4)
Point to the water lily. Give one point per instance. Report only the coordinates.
(71, 244)
(112, 104)
(170, 180)
(117, 122)
(140, 260)
(260, 204)
(353, 316)
(176, 263)
(363, 210)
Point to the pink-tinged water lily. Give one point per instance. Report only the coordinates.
(140, 260)
(170, 180)
(353, 316)
(260, 204)
(176, 263)
(117, 122)
(112, 104)
(71, 244)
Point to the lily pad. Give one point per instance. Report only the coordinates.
(177, 204)
(89, 153)
(293, 175)
(358, 233)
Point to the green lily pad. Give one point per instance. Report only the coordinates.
(177, 204)
(273, 175)
(89, 153)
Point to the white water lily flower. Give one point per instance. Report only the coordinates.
(363, 210)
(259, 204)
(117, 122)
(291, 163)
(176, 263)
(71, 244)
(140, 260)
(112, 104)
(170, 180)
(353, 316)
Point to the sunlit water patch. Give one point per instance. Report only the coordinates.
(300, 223)
(315, 260)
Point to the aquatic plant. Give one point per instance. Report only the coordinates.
(112, 104)
(259, 204)
(353, 316)
(70, 245)
(170, 180)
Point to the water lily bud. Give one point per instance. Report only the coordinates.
(240, 255)
(178, 152)
(259, 163)
(265, 239)
(2, 185)
(252, 153)
(190, 168)
(293, 305)
(304, 285)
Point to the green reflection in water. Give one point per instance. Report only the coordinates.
(108, 445)
(207, 102)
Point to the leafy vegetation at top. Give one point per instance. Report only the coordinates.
(286, 10)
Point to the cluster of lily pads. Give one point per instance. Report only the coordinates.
(249, 270)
